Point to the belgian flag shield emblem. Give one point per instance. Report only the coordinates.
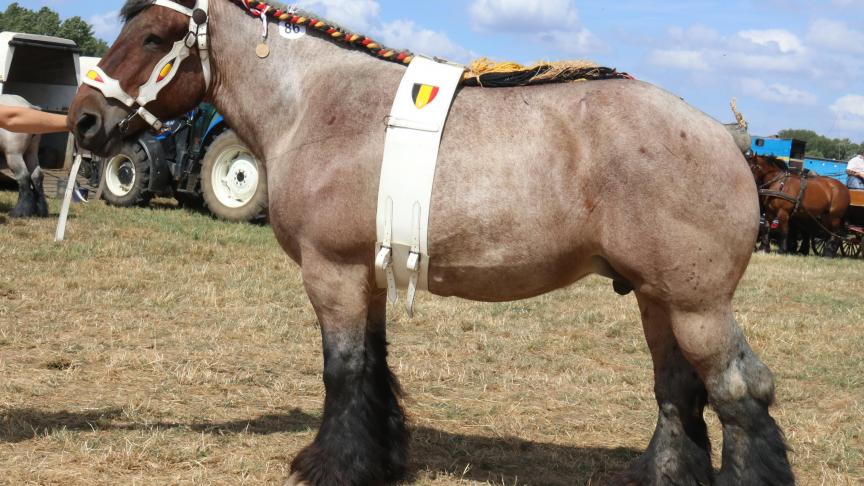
(424, 95)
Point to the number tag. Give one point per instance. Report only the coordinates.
(291, 31)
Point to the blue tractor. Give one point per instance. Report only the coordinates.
(198, 160)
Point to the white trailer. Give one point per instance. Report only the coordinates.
(46, 72)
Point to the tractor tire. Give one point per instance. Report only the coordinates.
(233, 181)
(127, 177)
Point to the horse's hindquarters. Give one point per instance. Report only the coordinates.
(659, 190)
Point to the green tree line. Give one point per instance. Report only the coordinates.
(47, 22)
(823, 147)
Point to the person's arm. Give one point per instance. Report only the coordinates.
(28, 120)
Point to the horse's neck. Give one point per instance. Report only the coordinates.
(265, 100)
(772, 172)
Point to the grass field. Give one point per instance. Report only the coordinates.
(162, 347)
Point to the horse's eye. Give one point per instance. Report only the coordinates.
(153, 41)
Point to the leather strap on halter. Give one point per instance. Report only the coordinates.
(781, 194)
(164, 71)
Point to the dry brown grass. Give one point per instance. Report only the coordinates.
(161, 347)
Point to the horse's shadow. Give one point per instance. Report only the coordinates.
(499, 460)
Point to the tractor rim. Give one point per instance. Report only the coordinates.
(235, 177)
(120, 175)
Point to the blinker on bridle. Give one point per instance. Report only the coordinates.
(164, 71)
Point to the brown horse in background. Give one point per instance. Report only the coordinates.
(815, 203)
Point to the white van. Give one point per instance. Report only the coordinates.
(46, 72)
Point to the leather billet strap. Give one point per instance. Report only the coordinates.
(164, 71)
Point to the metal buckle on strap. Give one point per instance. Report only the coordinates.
(414, 256)
(384, 260)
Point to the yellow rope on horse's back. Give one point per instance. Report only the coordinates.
(559, 71)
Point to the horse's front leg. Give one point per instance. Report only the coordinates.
(363, 439)
(784, 232)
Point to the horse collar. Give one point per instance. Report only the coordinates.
(164, 71)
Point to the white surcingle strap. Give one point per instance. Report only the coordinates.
(414, 130)
(165, 70)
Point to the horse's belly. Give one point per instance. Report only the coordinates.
(508, 282)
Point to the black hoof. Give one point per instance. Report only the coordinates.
(651, 470)
(316, 467)
(25, 208)
(41, 207)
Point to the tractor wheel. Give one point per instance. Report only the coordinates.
(233, 181)
(127, 177)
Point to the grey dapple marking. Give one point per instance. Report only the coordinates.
(22, 156)
(535, 189)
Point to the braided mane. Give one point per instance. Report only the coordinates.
(481, 73)
(276, 12)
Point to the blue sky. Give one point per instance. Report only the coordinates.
(790, 63)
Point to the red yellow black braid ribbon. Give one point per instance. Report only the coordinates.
(258, 8)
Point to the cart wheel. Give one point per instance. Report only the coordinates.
(819, 245)
(127, 177)
(233, 181)
(853, 246)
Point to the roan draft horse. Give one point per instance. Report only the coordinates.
(817, 204)
(536, 188)
(22, 156)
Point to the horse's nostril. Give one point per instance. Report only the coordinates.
(88, 124)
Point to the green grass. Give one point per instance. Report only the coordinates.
(163, 347)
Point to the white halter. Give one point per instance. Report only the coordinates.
(165, 69)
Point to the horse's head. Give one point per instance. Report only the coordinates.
(157, 69)
(764, 166)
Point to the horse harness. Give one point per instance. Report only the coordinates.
(781, 194)
(164, 71)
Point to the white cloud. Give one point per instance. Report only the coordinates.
(849, 112)
(357, 15)
(551, 22)
(106, 26)
(851, 104)
(363, 16)
(407, 34)
(783, 40)
(700, 48)
(836, 36)
(524, 15)
(777, 92)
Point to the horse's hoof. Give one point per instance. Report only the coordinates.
(42, 208)
(19, 213)
(295, 480)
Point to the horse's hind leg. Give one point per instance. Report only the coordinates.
(363, 439)
(679, 452)
(26, 206)
(740, 389)
(31, 157)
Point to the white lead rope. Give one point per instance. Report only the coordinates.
(67, 200)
